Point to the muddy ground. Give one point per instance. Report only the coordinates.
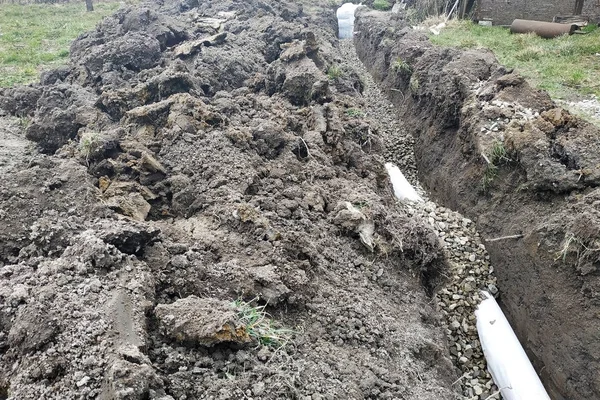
(526, 171)
(192, 157)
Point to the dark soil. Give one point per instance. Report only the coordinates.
(504, 154)
(194, 154)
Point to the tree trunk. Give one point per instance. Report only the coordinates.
(578, 7)
(89, 5)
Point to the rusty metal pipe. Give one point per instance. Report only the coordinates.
(547, 30)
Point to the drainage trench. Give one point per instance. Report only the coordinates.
(539, 215)
(470, 268)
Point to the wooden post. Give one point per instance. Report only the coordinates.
(88, 5)
(578, 7)
(463, 9)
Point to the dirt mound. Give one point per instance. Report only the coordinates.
(489, 145)
(194, 167)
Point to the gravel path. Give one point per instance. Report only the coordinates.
(470, 267)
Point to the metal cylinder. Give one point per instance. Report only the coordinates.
(544, 29)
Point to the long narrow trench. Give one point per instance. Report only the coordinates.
(470, 269)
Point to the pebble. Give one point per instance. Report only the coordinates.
(258, 388)
(83, 381)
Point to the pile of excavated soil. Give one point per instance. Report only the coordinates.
(470, 270)
(193, 164)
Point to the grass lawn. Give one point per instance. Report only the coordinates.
(568, 67)
(36, 37)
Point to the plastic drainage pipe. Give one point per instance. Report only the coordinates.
(345, 15)
(507, 362)
(402, 189)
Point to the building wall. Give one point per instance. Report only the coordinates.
(503, 12)
(592, 9)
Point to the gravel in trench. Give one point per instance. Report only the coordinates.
(470, 268)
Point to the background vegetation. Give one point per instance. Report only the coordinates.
(567, 67)
(36, 37)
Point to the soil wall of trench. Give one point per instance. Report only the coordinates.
(489, 145)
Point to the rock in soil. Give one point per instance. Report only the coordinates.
(204, 322)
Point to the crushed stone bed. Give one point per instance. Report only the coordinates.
(470, 270)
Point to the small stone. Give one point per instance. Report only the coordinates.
(83, 381)
(95, 285)
(468, 353)
(179, 261)
(19, 294)
(465, 327)
(258, 388)
(478, 390)
(472, 257)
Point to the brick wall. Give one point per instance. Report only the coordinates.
(503, 12)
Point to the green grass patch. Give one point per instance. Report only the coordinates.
(36, 37)
(497, 156)
(382, 5)
(567, 67)
(260, 327)
(354, 112)
(402, 66)
(334, 72)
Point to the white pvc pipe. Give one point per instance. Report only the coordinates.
(345, 15)
(346, 11)
(402, 188)
(507, 362)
